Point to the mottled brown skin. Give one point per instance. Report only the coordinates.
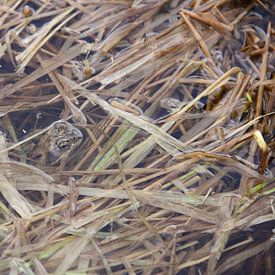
(60, 140)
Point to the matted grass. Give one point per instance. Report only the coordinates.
(175, 100)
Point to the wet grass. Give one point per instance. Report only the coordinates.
(175, 100)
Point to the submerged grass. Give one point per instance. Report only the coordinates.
(175, 100)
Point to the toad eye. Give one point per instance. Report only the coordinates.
(63, 145)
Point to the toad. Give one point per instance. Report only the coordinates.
(61, 139)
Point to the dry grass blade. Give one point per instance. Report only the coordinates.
(45, 34)
(15, 199)
(140, 122)
(220, 82)
(198, 38)
(73, 252)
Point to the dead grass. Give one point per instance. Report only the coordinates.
(151, 190)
